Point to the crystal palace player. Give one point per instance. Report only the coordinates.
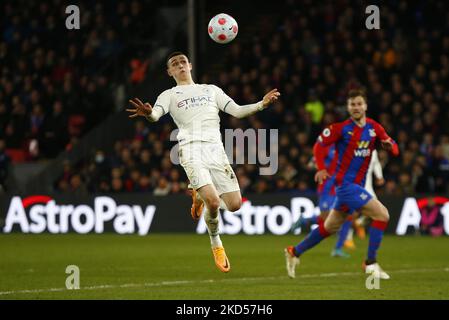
(326, 195)
(355, 140)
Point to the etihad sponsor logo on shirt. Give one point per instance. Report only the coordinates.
(362, 149)
(195, 102)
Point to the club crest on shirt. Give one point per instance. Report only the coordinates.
(372, 132)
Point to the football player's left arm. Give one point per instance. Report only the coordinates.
(386, 141)
(243, 111)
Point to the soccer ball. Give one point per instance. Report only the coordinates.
(223, 28)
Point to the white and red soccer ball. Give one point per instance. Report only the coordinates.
(223, 28)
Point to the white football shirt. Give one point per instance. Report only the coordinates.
(194, 108)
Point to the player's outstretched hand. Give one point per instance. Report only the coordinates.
(270, 97)
(141, 109)
(321, 175)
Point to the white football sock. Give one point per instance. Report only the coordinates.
(212, 228)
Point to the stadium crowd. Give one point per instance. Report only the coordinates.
(313, 53)
(55, 83)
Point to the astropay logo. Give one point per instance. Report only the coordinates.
(251, 219)
(44, 214)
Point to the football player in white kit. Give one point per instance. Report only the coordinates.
(194, 109)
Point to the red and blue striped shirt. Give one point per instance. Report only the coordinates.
(354, 146)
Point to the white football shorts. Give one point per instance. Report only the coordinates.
(206, 163)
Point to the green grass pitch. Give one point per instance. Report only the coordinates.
(180, 266)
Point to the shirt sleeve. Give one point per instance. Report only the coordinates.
(330, 135)
(228, 105)
(319, 152)
(382, 136)
(222, 99)
(161, 106)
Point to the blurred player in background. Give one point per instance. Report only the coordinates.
(194, 108)
(355, 140)
(326, 198)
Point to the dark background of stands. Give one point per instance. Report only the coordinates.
(62, 92)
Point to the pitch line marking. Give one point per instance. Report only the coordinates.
(180, 282)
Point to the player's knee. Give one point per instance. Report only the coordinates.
(331, 227)
(213, 203)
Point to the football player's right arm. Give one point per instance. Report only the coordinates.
(155, 114)
(151, 113)
(328, 137)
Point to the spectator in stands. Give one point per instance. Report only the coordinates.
(315, 107)
(163, 187)
(77, 186)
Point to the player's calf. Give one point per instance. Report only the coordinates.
(376, 211)
(232, 200)
(379, 213)
(234, 205)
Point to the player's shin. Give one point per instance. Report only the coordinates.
(212, 222)
(312, 239)
(375, 238)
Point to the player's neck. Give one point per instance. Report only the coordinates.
(360, 122)
(184, 82)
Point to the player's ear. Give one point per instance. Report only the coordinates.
(169, 73)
